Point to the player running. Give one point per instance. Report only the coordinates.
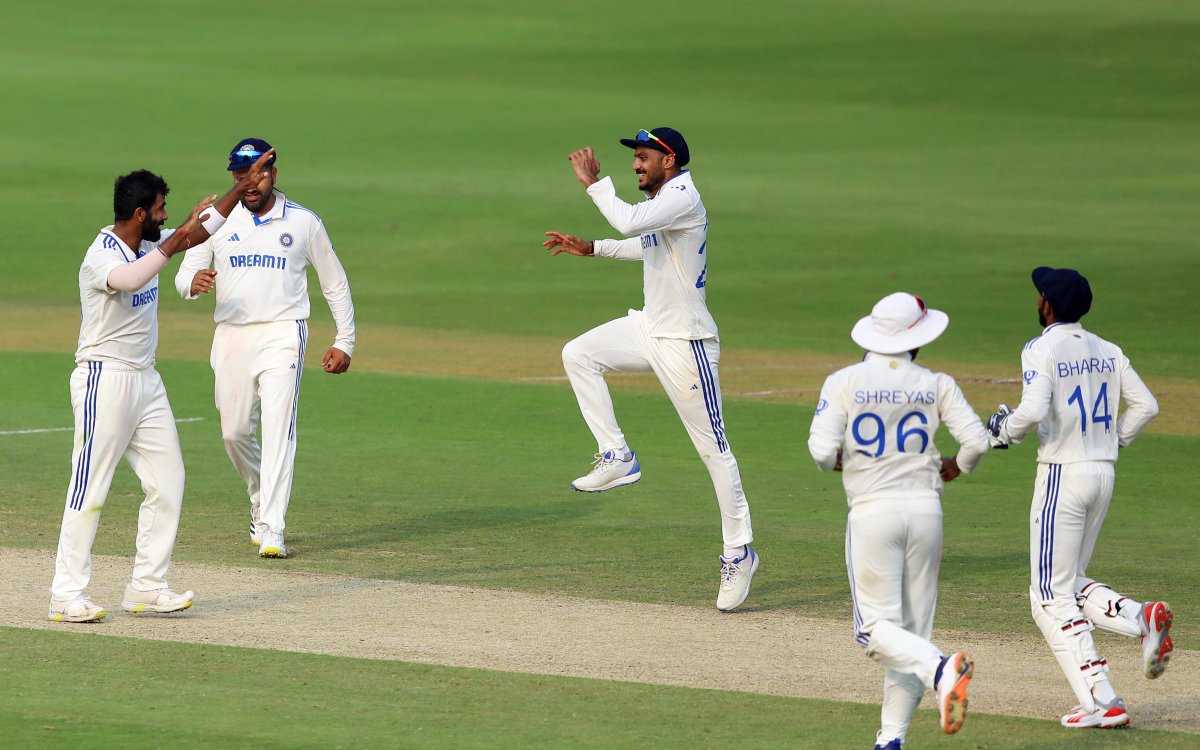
(119, 400)
(259, 263)
(674, 336)
(1073, 383)
(875, 422)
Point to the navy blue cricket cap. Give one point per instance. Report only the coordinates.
(1067, 291)
(666, 140)
(247, 151)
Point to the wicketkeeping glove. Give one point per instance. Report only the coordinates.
(994, 425)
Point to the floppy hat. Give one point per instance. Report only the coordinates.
(898, 323)
(666, 140)
(246, 152)
(1067, 291)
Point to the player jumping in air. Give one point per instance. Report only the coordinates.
(674, 336)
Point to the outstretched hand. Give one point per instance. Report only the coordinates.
(565, 243)
(586, 166)
(255, 174)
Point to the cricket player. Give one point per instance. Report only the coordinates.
(1074, 382)
(258, 264)
(120, 404)
(875, 422)
(674, 336)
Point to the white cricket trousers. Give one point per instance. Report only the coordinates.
(893, 554)
(120, 411)
(1070, 502)
(258, 368)
(687, 370)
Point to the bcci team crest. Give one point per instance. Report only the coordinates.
(286, 240)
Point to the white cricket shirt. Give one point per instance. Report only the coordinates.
(116, 326)
(670, 238)
(883, 412)
(1074, 382)
(261, 265)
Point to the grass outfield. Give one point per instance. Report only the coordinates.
(141, 694)
(844, 149)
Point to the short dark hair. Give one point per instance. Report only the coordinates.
(136, 190)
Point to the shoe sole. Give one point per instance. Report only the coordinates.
(740, 602)
(60, 617)
(272, 552)
(1120, 723)
(1163, 617)
(627, 479)
(137, 607)
(954, 708)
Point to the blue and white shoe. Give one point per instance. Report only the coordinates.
(611, 470)
(896, 744)
(736, 575)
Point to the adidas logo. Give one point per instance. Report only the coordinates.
(293, 367)
(234, 238)
(695, 387)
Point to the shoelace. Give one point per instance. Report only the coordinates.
(729, 570)
(601, 463)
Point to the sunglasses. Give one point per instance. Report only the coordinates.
(645, 136)
(244, 158)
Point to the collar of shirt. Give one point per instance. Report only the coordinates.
(1064, 326)
(278, 209)
(903, 358)
(684, 173)
(126, 251)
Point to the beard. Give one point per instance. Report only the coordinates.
(652, 182)
(151, 230)
(1041, 318)
(260, 204)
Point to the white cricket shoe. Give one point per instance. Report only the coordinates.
(1104, 716)
(1155, 622)
(736, 575)
(157, 600)
(272, 545)
(610, 470)
(79, 609)
(957, 670)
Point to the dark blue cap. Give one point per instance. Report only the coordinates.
(666, 140)
(1067, 291)
(247, 151)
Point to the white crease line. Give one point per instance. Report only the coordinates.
(72, 429)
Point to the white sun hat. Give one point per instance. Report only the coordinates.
(898, 323)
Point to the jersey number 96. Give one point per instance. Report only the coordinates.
(869, 431)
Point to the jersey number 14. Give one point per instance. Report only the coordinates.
(1098, 416)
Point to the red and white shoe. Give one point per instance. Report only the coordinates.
(1104, 716)
(1155, 621)
(956, 669)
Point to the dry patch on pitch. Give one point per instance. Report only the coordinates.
(771, 652)
(785, 376)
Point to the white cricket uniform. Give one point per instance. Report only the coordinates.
(262, 311)
(121, 409)
(674, 336)
(883, 413)
(1074, 382)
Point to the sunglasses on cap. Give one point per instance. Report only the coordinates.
(645, 136)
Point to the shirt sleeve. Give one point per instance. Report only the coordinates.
(630, 249)
(828, 429)
(334, 285)
(100, 263)
(130, 277)
(1035, 397)
(631, 219)
(194, 259)
(962, 422)
(1140, 402)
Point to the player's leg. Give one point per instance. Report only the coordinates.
(611, 347)
(1058, 520)
(102, 400)
(280, 364)
(688, 373)
(236, 391)
(157, 460)
(875, 564)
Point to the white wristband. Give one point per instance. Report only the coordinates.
(213, 222)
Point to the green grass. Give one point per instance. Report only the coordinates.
(845, 149)
(66, 689)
